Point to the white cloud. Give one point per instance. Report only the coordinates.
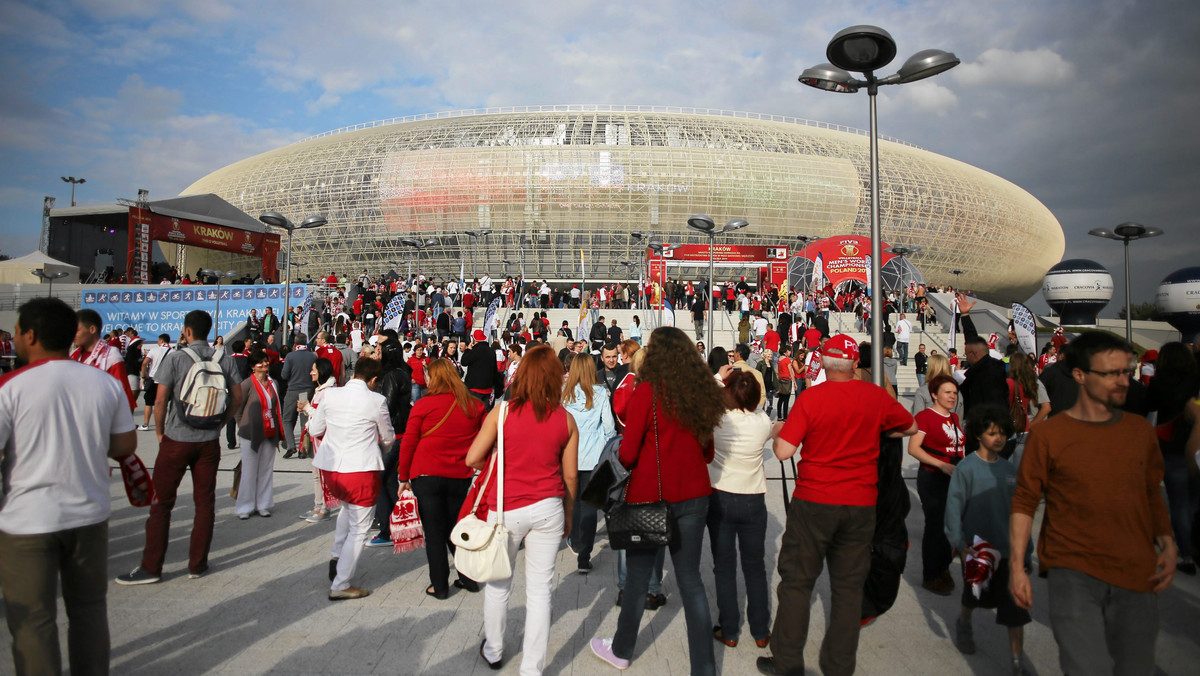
(1039, 67)
(926, 97)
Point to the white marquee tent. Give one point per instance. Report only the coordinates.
(20, 270)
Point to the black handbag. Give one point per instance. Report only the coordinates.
(644, 525)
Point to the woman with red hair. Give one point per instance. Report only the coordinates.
(541, 446)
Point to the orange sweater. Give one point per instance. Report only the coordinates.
(1104, 504)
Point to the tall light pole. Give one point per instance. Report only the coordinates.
(641, 294)
(903, 252)
(50, 277)
(865, 49)
(705, 224)
(228, 274)
(74, 182)
(475, 236)
(418, 245)
(1127, 232)
(278, 220)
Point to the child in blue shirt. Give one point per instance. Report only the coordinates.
(978, 503)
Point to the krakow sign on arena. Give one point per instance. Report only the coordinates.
(160, 309)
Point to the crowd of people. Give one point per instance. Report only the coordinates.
(380, 408)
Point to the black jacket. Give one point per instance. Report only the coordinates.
(598, 334)
(986, 382)
(396, 387)
(480, 363)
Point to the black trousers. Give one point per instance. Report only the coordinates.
(438, 501)
(936, 553)
(389, 492)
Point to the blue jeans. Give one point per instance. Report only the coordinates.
(690, 516)
(737, 525)
(418, 391)
(583, 523)
(902, 352)
(656, 576)
(1183, 499)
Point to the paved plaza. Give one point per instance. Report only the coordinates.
(262, 608)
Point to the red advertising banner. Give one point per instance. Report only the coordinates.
(726, 253)
(145, 227)
(843, 258)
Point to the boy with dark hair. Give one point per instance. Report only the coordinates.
(978, 504)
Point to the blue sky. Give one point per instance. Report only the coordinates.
(1087, 105)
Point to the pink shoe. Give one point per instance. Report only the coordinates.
(602, 647)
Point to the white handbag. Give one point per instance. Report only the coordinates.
(481, 548)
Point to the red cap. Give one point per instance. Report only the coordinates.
(479, 336)
(1150, 356)
(840, 346)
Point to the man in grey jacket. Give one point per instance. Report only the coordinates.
(297, 372)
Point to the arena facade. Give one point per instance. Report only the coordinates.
(547, 181)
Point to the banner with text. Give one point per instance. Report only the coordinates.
(160, 309)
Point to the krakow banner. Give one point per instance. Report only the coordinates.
(725, 253)
(160, 309)
(145, 227)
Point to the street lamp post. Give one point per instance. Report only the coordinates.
(1126, 233)
(50, 277)
(474, 236)
(705, 224)
(278, 220)
(74, 182)
(903, 252)
(865, 49)
(228, 274)
(418, 245)
(642, 302)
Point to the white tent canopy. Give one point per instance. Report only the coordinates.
(20, 270)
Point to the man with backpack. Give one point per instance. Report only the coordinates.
(197, 394)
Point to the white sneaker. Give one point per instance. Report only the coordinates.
(143, 428)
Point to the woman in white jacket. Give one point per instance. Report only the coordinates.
(587, 401)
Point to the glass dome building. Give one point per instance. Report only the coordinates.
(549, 181)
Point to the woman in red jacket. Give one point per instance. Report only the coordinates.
(433, 454)
(670, 421)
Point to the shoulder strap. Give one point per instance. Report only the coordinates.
(657, 450)
(500, 460)
(439, 424)
(195, 357)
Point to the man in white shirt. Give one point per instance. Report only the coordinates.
(56, 414)
(760, 327)
(353, 421)
(903, 334)
(154, 357)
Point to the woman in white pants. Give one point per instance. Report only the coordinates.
(541, 445)
(324, 378)
(259, 427)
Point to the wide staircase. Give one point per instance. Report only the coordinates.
(725, 330)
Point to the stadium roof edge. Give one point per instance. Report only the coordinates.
(599, 108)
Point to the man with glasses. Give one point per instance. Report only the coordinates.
(1105, 546)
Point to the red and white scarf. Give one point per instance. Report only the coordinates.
(98, 356)
(270, 405)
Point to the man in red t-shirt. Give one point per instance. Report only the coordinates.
(328, 351)
(831, 518)
(812, 338)
(771, 339)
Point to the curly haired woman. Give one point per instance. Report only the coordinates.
(671, 417)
